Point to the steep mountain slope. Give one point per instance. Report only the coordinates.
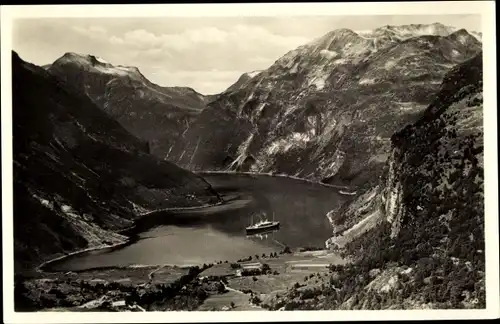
(79, 176)
(326, 110)
(153, 113)
(417, 238)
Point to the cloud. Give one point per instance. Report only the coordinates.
(116, 40)
(245, 37)
(140, 38)
(188, 56)
(260, 60)
(363, 31)
(93, 32)
(205, 81)
(208, 57)
(185, 51)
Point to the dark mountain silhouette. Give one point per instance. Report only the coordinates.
(79, 176)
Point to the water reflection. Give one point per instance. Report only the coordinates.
(263, 235)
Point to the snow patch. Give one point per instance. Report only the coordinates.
(294, 69)
(118, 70)
(462, 39)
(407, 105)
(312, 123)
(341, 61)
(290, 109)
(291, 141)
(367, 81)
(328, 54)
(477, 35)
(101, 60)
(242, 152)
(253, 73)
(44, 202)
(390, 284)
(364, 33)
(66, 208)
(259, 109)
(319, 83)
(318, 76)
(390, 64)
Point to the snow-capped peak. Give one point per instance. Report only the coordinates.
(91, 62)
(478, 36)
(463, 36)
(101, 60)
(413, 30)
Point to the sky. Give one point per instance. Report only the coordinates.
(205, 53)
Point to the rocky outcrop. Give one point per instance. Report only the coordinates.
(430, 200)
(432, 158)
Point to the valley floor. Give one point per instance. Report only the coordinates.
(218, 286)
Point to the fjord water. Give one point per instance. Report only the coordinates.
(194, 237)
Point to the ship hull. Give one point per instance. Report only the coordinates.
(262, 229)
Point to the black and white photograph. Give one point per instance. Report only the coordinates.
(249, 160)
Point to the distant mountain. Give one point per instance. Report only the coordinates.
(479, 36)
(79, 176)
(416, 238)
(407, 31)
(326, 110)
(153, 113)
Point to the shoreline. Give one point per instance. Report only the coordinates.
(170, 209)
(275, 176)
(40, 267)
(296, 251)
(129, 239)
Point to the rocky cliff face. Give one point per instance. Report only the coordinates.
(326, 110)
(79, 176)
(427, 212)
(158, 115)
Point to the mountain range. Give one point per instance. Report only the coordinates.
(326, 110)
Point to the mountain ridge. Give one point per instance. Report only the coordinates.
(156, 114)
(318, 103)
